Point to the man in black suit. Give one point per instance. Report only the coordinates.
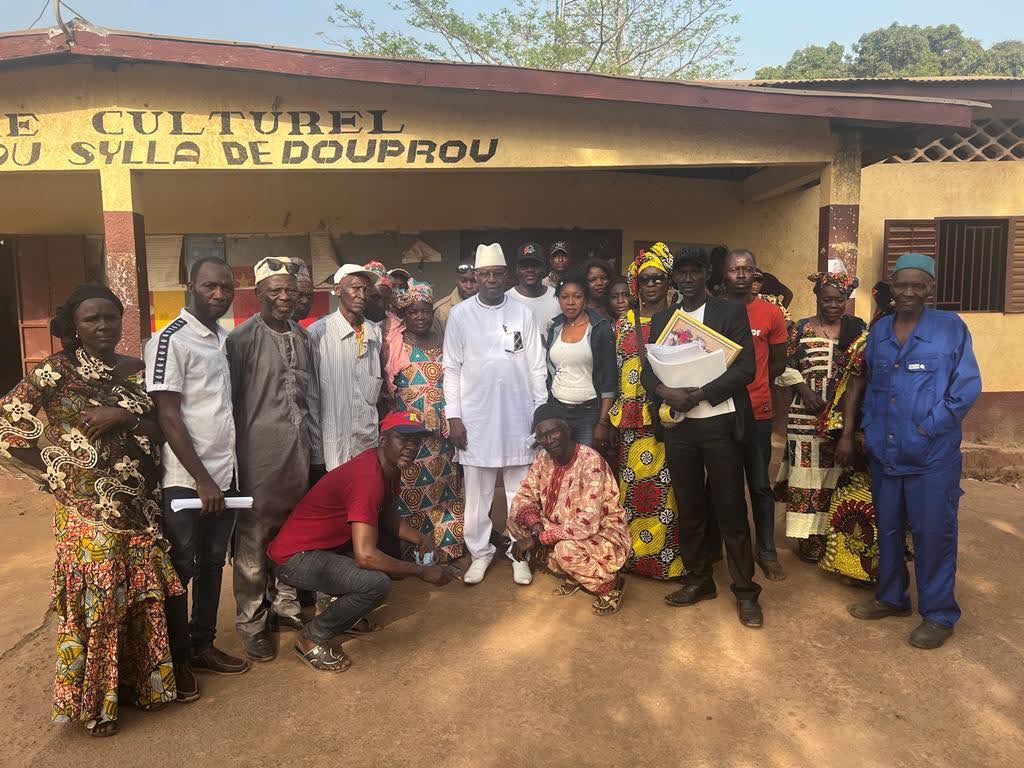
(709, 448)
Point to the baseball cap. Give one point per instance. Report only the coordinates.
(559, 246)
(404, 422)
(530, 252)
(694, 256)
(354, 269)
(399, 271)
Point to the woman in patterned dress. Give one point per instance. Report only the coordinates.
(808, 473)
(645, 487)
(431, 495)
(112, 571)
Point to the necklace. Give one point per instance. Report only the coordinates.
(579, 321)
(824, 331)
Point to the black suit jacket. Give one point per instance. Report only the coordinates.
(729, 318)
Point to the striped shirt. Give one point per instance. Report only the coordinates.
(343, 404)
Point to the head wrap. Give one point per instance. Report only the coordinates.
(843, 282)
(657, 256)
(418, 291)
(62, 325)
(304, 273)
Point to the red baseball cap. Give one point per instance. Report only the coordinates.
(405, 422)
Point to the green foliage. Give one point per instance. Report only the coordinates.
(903, 51)
(650, 38)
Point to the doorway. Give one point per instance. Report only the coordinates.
(10, 344)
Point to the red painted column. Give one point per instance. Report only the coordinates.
(838, 232)
(125, 261)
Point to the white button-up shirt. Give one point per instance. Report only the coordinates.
(188, 358)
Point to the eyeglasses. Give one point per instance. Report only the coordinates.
(464, 269)
(291, 267)
(650, 279)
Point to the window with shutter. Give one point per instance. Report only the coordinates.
(906, 236)
(1015, 266)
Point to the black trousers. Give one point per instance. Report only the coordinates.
(706, 464)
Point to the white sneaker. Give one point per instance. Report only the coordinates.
(475, 572)
(521, 573)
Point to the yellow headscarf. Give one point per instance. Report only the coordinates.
(657, 256)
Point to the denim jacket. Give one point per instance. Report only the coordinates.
(602, 347)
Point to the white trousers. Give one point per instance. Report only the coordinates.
(479, 485)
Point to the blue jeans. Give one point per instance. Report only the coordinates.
(582, 419)
(199, 545)
(357, 591)
(757, 455)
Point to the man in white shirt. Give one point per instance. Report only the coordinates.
(347, 376)
(531, 291)
(188, 377)
(494, 378)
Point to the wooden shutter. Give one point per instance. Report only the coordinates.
(1015, 266)
(909, 235)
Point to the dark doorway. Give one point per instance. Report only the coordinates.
(10, 346)
(584, 244)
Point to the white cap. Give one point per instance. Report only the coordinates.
(354, 269)
(489, 256)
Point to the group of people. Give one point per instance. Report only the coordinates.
(371, 441)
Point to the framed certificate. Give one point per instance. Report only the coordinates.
(683, 329)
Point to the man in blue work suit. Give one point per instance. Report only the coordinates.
(922, 379)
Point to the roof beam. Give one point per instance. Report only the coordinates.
(778, 180)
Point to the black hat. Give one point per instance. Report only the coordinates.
(531, 252)
(549, 411)
(693, 255)
(559, 246)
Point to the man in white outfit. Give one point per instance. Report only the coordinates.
(494, 378)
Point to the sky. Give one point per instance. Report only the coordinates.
(769, 30)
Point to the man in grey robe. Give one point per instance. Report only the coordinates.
(271, 371)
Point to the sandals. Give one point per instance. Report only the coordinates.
(323, 658)
(610, 602)
(101, 728)
(567, 587)
(369, 625)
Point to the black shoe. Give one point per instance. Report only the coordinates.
(212, 659)
(930, 635)
(276, 623)
(260, 647)
(185, 682)
(691, 594)
(751, 614)
(871, 610)
(772, 570)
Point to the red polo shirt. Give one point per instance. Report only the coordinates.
(355, 492)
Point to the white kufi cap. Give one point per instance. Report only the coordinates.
(489, 256)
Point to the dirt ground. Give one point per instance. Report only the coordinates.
(501, 675)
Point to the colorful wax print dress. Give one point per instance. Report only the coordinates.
(431, 497)
(645, 486)
(112, 571)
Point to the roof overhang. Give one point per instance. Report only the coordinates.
(39, 46)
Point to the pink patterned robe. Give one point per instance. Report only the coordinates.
(584, 524)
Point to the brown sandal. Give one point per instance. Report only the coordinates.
(567, 587)
(610, 602)
(323, 658)
(101, 728)
(370, 627)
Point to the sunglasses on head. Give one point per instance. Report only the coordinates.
(650, 279)
(464, 269)
(291, 267)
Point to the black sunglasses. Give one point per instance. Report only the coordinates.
(650, 279)
(290, 267)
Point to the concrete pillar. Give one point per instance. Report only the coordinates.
(839, 215)
(125, 255)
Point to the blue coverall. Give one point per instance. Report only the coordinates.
(916, 398)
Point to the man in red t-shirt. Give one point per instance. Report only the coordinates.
(768, 327)
(331, 542)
